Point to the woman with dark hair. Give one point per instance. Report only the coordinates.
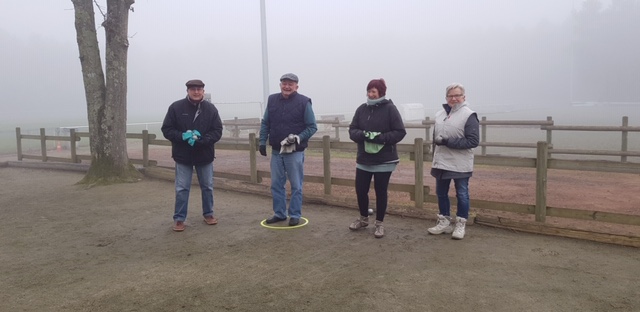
(377, 127)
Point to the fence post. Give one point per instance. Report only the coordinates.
(236, 130)
(427, 129)
(145, 148)
(72, 145)
(541, 181)
(19, 143)
(337, 127)
(483, 136)
(326, 163)
(43, 144)
(550, 145)
(253, 166)
(418, 149)
(625, 138)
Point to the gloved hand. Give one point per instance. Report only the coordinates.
(195, 136)
(187, 135)
(263, 150)
(372, 136)
(291, 139)
(441, 140)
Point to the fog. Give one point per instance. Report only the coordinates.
(517, 59)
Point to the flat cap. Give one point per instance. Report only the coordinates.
(289, 76)
(195, 83)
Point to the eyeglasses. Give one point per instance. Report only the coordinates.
(196, 88)
(457, 96)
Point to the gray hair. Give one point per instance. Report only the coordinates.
(454, 86)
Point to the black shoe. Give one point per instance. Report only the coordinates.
(293, 221)
(275, 219)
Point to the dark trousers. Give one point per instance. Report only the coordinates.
(380, 184)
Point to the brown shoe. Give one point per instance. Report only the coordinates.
(211, 220)
(178, 226)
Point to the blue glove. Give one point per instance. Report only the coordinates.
(187, 135)
(194, 137)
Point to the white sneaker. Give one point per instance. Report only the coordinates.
(458, 232)
(443, 226)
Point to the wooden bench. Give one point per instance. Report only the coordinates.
(236, 125)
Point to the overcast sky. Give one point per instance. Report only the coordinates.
(335, 47)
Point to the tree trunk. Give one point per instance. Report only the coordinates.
(106, 100)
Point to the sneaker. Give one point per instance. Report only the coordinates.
(294, 221)
(210, 220)
(275, 219)
(178, 226)
(379, 229)
(458, 232)
(443, 226)
(361, 222)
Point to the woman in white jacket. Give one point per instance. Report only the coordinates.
(455, 135)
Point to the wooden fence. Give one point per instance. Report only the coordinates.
(420, 152)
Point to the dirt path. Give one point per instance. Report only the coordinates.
(64, 248)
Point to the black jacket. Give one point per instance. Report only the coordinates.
(383, 117)
(180, 118)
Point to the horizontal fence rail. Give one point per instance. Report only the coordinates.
(420, 152)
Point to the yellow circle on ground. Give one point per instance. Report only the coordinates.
(264, 223)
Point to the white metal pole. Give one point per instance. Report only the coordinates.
(265, 58)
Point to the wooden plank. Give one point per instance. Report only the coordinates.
(30, 136)
(594, 165)
(418, 191)
(543, 228)
(509, 144)
(541, 181)
(516, 122)
(19, 143)
(489, 205)
(581, 214)
(506, 161)
(31, 157)
(60, 159)
(233, 176)
(591, 128)
(160, 142)
(43, 144)
(593, 152)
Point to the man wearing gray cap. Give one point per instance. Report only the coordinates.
(193, 126)
(287, 125)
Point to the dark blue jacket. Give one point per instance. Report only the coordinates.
(181, 117)
(287, 116)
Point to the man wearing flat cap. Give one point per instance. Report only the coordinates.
(287, 125)
(193, 126)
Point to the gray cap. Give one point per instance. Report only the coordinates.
(289, 76)
(195, 83)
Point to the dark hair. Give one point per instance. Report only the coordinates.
(379, 84)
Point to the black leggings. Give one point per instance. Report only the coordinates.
(380, 184)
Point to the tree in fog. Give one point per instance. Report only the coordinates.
(106, 96)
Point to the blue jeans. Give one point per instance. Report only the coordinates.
(462, 194)
(184, 173)
(287, 166)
